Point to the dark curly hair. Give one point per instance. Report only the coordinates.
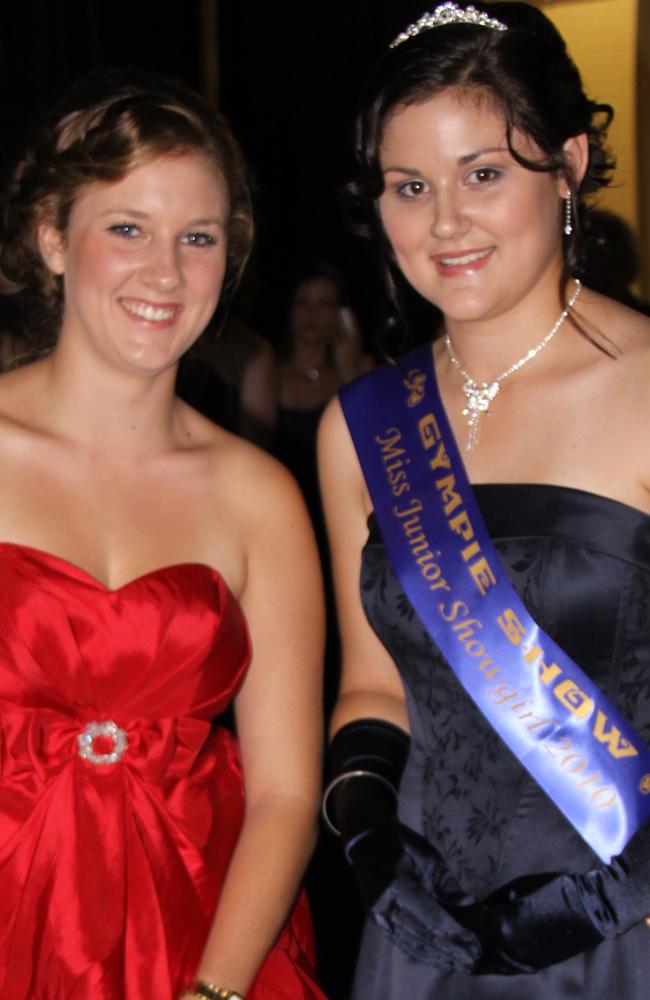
(108, 124)
(525, 70)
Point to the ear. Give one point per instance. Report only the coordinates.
(51, 245)
(576, 155)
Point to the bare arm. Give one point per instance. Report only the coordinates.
(370, 684)
(280, 731)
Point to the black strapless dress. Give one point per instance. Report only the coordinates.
(581, 565)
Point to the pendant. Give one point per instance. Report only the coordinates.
(479, 398)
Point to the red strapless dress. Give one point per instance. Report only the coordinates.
(114, 844)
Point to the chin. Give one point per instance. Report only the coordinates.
(148, 364)
(467, 313)
(463, 309)
(472, 298)
(457, 298)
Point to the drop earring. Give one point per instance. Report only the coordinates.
(568, 214)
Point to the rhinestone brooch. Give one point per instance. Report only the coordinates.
(86, 742)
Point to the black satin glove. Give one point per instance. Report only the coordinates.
(402, 879)
(419, 908)
(367, 758)
(528, 927)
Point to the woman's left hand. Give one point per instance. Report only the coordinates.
(528, 927)
(419, 906)
(528, 924)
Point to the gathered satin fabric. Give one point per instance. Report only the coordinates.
(110, 873)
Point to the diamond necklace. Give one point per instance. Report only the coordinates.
(480, 394)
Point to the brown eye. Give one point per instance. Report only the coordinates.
(412, 189)
(483, 175)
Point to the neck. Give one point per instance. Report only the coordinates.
(488, 347)
(113, 414)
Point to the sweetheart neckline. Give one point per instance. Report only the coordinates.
(84, 574)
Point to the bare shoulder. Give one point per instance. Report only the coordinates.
(336, 451)
(23, 402)
(621, 410)
(13, 383)
(621, 368)
(250, 482)
(332, 422)
(333, 432)
(618, 326)
(630, 335)
(250, 517)
(343, 487)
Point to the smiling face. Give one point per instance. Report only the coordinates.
(142, 260)
(471, 229)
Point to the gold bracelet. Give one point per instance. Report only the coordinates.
(210, 991)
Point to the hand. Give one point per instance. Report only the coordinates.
(418, 909)
(527, 927)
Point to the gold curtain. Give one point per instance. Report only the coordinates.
(643, 119)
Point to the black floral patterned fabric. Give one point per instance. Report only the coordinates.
(581, 565)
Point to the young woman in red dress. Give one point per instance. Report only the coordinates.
(153, 569)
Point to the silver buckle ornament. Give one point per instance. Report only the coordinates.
(86, 742)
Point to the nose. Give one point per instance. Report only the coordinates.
(162, 268)
(449, 217)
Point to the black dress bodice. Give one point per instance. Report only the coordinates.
(581, 565)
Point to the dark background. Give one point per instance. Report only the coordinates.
(288, 80)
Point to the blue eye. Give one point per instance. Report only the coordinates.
(128, 230)
(199, 239)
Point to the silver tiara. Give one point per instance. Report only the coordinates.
(449, 13)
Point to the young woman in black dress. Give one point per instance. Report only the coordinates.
(476, 147)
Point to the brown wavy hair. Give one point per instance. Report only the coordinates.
(108, 124)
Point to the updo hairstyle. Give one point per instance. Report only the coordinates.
(528, 75)
(107, 125)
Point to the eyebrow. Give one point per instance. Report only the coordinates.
(402, 170)
(463, 161)
(206, 222)
(470, 157)
(136, 214)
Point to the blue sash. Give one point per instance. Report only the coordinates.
(562, 728)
